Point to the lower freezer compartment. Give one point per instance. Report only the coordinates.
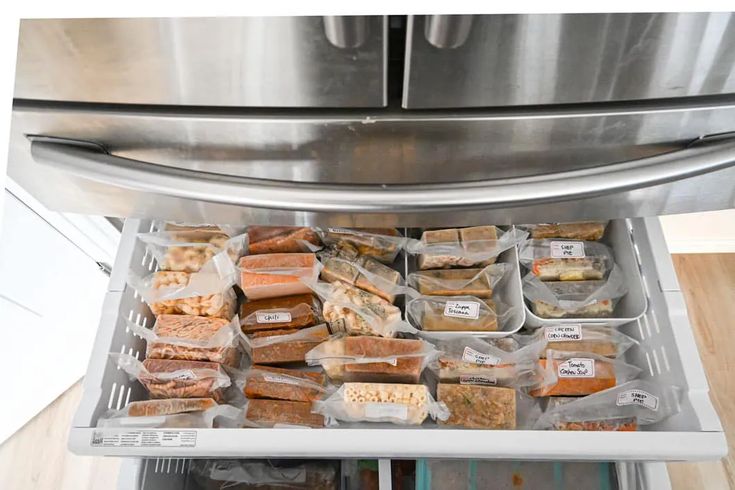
(384, 474)
(666, 353)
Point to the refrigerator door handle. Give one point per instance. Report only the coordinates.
(91, 161)
(346, 31)
(447, 31)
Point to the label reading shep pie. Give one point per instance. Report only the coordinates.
(475, 357)
(272, 317)
(567, 250)
(561, 333)
(577, 367)
(638, 397)
(462, 309)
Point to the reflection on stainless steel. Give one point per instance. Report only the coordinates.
(565, 58)
(379, 148)
(225, 61)
(447, 31)
(347, 31)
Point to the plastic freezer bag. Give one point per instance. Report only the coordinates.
(477, 246)
(266, 474)
(382, 244)
(207, 418)
(574, 299)
(359, 312)
(282, 239)
(459, 282)
(458, 313)
(624, 407)
(281, 413)
(183, 293)
(603, 341)
(190, 251)
(372, 359)
(403, 404)
(583, 373)
(191, 338)
(287, 312)
(281, 384)
(588, 231)
(280, 274)
(487, 407)
(363, 272)
(566, 260)
(165, 378)
(281, 347)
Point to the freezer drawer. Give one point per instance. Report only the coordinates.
(225, 61)
(508, 60)
(176, 474)
(381, 168)
(667, 353)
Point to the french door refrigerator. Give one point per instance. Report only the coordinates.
(400, 121)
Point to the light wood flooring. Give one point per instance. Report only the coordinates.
(36, 456)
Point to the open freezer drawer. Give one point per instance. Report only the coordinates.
(667, 353)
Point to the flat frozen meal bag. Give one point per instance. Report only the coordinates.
(603, 341)
(382, 244)
(362, 272)
(487, 407)
(476, 282)
(566, 260)
(180, 413)
(281, 384)
(588, 231)
(282, 239)
(279, 274)
(285, 312)
(190, 251)
(458, 313)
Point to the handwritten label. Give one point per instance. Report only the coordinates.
(184, 375)
(477, 379)
(638, 397)
(562, 333)
(578, 367)
(567, 250)
(272, 317)
(340, 230)
(462, 309)
(475, 357)
(386, 410)
(274, 378)
(144, 438)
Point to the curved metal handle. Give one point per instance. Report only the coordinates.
(347, 31)
(92, 162)
(447, 31)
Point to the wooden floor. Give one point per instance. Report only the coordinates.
(36, 456)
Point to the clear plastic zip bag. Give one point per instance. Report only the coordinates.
(274, 275)
(622, 408)
(284, 346)
(402, 404)
(566, 260)
(362, 272)
(382, 244)
(189, 413)
(477, 246)
(487, 407)
(281, 384)
(479, 283)
(190, 251)
(282, 239)
(603, 341)
(459, 313)
(587, 230)
(575, 299)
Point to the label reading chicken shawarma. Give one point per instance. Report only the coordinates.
(462, 309)
(577, 367)
(567, 250)
(563, 333)
(638, 397)
(272, 316)
(476, 357)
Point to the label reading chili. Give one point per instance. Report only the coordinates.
(476, 357)
(578, 367)
(478, 379)
(638, 397)
(567, 250)
(462, 309)
(272, 317)
(562, 333)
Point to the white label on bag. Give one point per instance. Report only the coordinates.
(339, 230)
(144, 438)
(476, 357)
(578, 367)
(274, 378)
(393, 410)
(184, 375)
(566, 250)
(562, 333)
(272, 317)
(462, 309)
(638, 397)
(477, 379)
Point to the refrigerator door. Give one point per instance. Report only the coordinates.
(382, 168)
(511, 60)
(223, 61)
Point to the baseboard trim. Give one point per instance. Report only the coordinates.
(701, 246)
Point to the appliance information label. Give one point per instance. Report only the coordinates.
(462, 309)
(567, 250)
(638, 397)
(144, 438)
(578, 367)
(562, 333)
(272, 317)
(477, 357)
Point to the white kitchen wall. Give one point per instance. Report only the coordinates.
(711, 232)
